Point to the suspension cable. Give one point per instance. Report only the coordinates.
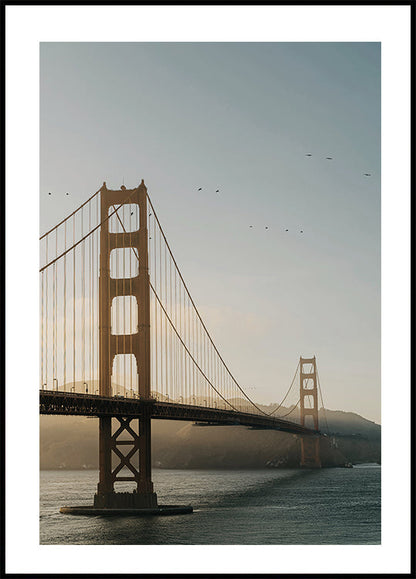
(210, 364)
(186, 349)
(88, 234)
(290, 411)
(290, 387)
(322, 400)
(197, 312)
(174, 328)
(200, 319)
(69, 216)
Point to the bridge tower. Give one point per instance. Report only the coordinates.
(309, 445)
(112, 460)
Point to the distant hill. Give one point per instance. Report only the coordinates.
(71, 442)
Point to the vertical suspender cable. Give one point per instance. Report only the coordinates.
(183, 336)
(188, 344)
(156, 310)
(174, 337)
(160, 318)
(193, 351)
(55, 290)
(53, 322)
(65, 310)
(42, 345)
(99, 249)
(170, 331)
(47, 316)
(96, 292)
(166, 329)
(83, 296)
(322, 401)
(73, 313)
(90, 378)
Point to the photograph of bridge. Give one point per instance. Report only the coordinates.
(207, 290)
(249, 172)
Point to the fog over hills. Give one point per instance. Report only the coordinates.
(71, 442)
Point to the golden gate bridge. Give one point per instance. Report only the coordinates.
(122, 340)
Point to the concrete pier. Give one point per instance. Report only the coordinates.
(160, 510)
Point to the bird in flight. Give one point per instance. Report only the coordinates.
(367, 174)
(301, 230)
(266, 227)
(250, 226)
(308, 155)
(217, 191)
(49, 193)
(329, 158)
(66, 193)
(286, 229)
(200, 189)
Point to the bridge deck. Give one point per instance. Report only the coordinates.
(71, 403)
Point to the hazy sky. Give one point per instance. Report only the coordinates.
(240, 117)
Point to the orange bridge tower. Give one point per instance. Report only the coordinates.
(309, 445)
(119, 432)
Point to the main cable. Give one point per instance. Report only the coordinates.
(322, 400)
(197, 312)
(290, 387)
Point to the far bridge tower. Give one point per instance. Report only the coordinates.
(309, 445)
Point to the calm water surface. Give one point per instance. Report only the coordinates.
(260, 507)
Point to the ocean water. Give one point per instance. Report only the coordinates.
(257, 507)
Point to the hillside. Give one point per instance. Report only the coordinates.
(71, 442)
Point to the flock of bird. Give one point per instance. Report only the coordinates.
(331, 159)
(286, 230)
(266, 227)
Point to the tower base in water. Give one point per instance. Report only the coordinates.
(309, 451)
(160, 510)
(132, 500)
(127, 504)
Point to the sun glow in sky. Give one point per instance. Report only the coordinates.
(282, 261)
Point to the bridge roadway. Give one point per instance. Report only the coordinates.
(73, 403)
